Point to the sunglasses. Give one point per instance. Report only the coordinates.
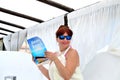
(63, 37)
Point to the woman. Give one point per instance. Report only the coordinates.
(64, 64)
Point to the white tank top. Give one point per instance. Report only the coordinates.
(54, 74)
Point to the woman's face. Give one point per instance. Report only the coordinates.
(64, 40)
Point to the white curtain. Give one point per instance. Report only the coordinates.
(7, 42)
(22, 36)
(93, 28)
(14, 41)
(115, 37)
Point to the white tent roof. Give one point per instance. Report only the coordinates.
(35, 9)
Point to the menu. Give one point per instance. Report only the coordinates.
(37, 48)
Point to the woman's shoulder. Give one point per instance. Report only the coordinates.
(73, 50)
(73, 54)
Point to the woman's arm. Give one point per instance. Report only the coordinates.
(71, 63)
(72, 60)
(43, 70)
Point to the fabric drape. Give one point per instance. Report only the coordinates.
(93, 28)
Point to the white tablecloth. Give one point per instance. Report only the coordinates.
(18, 64)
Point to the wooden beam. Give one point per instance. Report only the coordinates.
(11, 24)
(58, 5)
(20, 15)
(3, 33)
(6, 30)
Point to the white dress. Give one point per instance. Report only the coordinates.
(54, 74)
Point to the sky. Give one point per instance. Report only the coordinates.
(35, 9)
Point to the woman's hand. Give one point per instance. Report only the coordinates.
(50, 55)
